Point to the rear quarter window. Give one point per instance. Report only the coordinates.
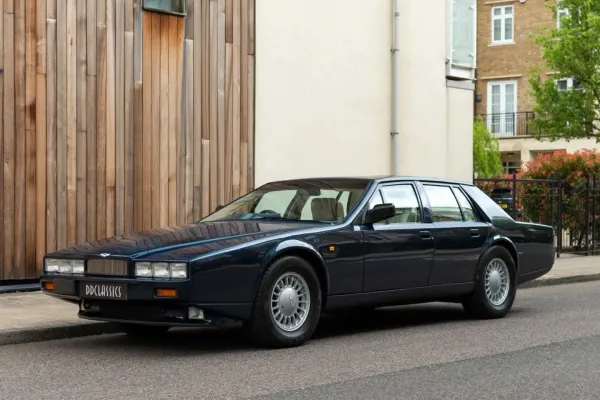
(488, 205)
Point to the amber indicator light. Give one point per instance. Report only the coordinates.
(166, 293)
(48, 285)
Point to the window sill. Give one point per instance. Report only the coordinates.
(512, 137)
(459, 72)
(494, 2)
(495, 44)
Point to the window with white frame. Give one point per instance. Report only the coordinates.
(461, 38)
(565, 84)
(503, 24)
(502, 107)
(560, 14)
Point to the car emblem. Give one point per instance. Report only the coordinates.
(104, 254)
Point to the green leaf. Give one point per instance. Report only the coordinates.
(573, 51)
(486, 154)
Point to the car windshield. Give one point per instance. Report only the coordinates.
(325, 201)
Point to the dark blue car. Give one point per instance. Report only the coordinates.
(280, 256)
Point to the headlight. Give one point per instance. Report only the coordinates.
(143, 269)
(179, 271)
(65, 266)
(51, 265)
(162, 270)
(78, 267)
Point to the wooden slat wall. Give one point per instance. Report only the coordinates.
(113, 119)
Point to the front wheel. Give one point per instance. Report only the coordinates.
(495, 286)
(287, 306)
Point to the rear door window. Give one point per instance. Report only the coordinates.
(444, 206)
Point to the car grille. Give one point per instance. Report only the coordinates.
(106, 267)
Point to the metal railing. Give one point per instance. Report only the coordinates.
(509, 124)
(572, 208)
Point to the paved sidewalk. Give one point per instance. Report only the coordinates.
(34, 316)
(27, 317)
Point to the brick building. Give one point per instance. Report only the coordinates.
(505, 52)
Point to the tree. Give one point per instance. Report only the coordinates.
(572, 52)
(486, 153)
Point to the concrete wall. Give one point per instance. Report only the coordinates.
(460, 133)
(323, 92)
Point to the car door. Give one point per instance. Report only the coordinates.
(460, 235)
(399, 251)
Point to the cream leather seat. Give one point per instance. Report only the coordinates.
(324, 209)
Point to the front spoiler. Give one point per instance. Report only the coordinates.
(199, 324)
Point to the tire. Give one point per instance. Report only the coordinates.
(144, 331)
(479, 304)
(263, 328)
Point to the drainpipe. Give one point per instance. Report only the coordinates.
(395, 77)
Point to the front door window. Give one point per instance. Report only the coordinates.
(404, 198)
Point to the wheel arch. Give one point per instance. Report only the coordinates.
(499, 241)
(302, 250)
(508, 244)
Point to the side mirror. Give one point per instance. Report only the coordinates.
(218, 208)
(379, 213)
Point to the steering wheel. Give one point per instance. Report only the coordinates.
(268, 212)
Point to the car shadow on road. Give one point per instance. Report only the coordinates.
(404, 317)
(231, 338)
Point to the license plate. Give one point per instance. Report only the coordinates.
(108, 291)
(503, 205)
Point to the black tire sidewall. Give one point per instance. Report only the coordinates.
(272, 275)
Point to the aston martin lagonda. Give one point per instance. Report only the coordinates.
(278, 257)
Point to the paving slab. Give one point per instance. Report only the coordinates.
(30, 317)
(34, 316)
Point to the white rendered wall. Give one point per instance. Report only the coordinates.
(324, 87)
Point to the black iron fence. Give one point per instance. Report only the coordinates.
(509, 124)
(571, 207)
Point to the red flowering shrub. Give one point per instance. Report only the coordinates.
(577, 171)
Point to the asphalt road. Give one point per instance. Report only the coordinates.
(548, 347)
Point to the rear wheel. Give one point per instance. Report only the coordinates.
(287, 306)
(143, 331)
(495, 287)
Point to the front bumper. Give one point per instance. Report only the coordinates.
(130, 300)
(131, 289)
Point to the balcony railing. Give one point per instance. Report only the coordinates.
(509, 124)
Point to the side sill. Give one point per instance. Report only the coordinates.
(399, 297)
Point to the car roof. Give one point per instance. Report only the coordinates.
(377, 179)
